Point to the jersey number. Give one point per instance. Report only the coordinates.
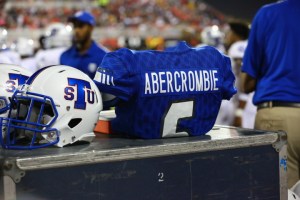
(177, 111)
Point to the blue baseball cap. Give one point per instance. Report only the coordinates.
(84, 17)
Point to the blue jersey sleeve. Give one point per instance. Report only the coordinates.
(113, 77)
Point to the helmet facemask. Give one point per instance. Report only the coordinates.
(4, 106)
(29, 121)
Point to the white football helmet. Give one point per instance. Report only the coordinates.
(58, 105)
(24, 46)
(57, 35)
(212, 35)
(11, 76)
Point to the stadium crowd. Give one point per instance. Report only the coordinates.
(128, 13)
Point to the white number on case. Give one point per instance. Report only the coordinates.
(160, 177)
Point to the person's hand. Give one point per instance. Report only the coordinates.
(237, 122)
(238, 117)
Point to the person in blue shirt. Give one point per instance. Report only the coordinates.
(84, 54)
(272, 66)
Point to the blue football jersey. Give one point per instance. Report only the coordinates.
(166, 93)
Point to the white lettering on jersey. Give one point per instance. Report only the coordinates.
(169, 82)
(162, 82)
(104, 78)
(155, 86)
(177, 77)
(181, 81)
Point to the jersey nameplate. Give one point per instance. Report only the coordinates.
(179, 81)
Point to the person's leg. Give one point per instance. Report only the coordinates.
(288, 120)
(293, 148)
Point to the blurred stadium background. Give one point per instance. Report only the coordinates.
(137, 24)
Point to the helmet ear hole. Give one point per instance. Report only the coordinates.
(74, 122)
